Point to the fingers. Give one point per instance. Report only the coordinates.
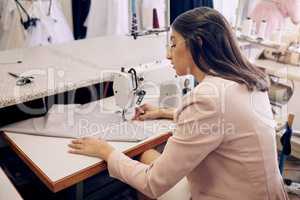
(144, 117)
(78, 151)
(142, 109)
(138, 111)
(81, 152)
(77, 141)
(75, 146)
(75, 151)
(149, 115)
(141, 113)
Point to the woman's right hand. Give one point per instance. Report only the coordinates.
(149, 112)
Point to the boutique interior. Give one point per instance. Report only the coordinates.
(140, 99)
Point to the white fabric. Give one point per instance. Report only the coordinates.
(227, 9)
(12, 33)
(49, 30)
(107, 17)
(67, 10)
(52, 29)
(117, 17)
(96, 19)
(147, 13)
(75, 121)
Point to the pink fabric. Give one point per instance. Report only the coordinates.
(275, 12)
(224, 143)
(291, 8)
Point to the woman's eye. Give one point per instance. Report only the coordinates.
(173, 45)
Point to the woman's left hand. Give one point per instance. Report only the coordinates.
(91, 146)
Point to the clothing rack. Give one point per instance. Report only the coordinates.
(167, 20)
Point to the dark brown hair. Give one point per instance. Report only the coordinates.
(215, 50)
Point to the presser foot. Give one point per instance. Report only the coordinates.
(123, 116)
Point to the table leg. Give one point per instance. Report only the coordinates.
(79, 191)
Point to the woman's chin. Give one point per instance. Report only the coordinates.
(179, 73)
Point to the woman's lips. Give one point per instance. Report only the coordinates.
(173, 66)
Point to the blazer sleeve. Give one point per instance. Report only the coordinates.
(194, 138)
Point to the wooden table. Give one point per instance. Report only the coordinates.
(49, 159)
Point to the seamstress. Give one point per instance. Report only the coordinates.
(224, 141)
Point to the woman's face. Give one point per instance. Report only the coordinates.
(179, 54)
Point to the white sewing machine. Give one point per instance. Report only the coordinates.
(131, 85)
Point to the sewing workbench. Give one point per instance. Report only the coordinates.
(61, 68)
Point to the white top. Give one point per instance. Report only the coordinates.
(68, 11)
(7, 190)
(107, 17)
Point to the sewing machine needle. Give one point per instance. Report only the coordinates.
(123, 115)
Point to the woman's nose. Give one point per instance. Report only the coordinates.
(169, 55)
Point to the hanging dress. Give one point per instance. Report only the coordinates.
(49, 27)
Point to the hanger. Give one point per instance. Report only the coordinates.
(31, 21)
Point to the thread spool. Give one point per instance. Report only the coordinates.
(247, 26)
(155, 21)
(262, 29)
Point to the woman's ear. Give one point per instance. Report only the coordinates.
(196, 39)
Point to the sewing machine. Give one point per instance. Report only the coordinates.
(130, 86)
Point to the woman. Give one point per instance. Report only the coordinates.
(224, 142)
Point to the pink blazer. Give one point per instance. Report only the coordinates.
(224, 143)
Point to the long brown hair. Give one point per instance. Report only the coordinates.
(215, 50)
